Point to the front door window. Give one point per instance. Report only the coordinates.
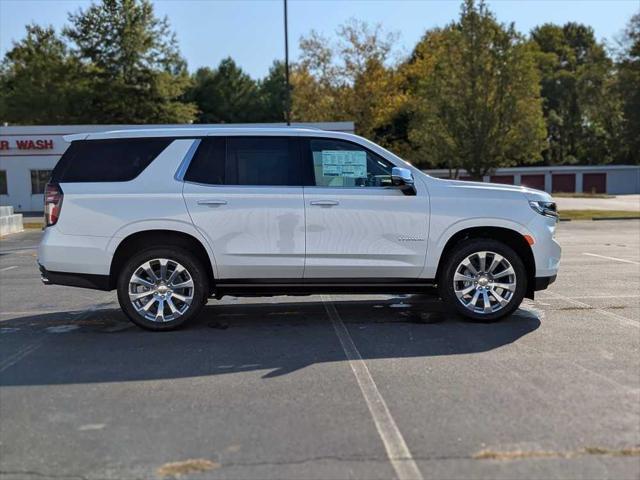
(343, 164)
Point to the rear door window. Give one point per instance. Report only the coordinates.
(247, 161)
(268, 161)
(208, 164)
(117, 160)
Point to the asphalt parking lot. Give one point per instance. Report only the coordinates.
(328, 387)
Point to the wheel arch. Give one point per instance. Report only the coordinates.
(508, 236)
(159, 238)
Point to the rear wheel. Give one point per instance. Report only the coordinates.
(483, 280)
(162, 288)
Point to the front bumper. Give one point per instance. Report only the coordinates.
(542, 283)
(546, 249)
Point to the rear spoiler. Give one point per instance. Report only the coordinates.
(75, 137)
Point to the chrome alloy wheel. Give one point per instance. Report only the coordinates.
(161, 290)
(484, 282)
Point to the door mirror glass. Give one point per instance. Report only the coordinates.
(403, 179)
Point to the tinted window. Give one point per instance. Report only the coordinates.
(39, 180)
(337, 163)
(208, 163)
(263, 161)
(107, 160)
(266, 161)
(3, 182)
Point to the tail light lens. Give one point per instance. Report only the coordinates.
(52, 203)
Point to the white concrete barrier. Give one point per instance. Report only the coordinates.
(10, 222)
(5, 211)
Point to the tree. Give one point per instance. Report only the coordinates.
(476, 94)
(138, 74)
(316, 83)
(629, 88)
(225, 95)
(41, 82)
(349, 80)
(581, 108)
(273, 94)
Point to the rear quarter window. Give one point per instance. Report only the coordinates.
(117, 160)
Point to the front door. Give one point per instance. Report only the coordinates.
(245, 195)
(357, 224)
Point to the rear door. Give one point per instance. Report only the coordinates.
(357, 224)
(245, 195)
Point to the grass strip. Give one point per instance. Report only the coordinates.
(598, 214)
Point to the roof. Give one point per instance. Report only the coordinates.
(50, 130)
(199, 132)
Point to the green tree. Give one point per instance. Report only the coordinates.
(273, 94)
(316, 83)
(475, 87)
(349, 80)
(138, 74)
(581, 108)
(629, 88)
(41, 82)
(225, 95)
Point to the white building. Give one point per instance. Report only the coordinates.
(611, 179)
(28, 154)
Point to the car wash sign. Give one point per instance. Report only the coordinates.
(27, 144)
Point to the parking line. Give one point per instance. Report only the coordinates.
(20, 354)
(394, 443)
(611, 258)
(606, 313)
(589, 297)
(14, 250)
(8, 268)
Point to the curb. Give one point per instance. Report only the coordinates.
(594, 219)
(599, 219)
(33, 226)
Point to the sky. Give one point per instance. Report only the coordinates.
(251, 31)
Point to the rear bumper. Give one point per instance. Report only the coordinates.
(82, 280)
(74, 253)
(542, 283)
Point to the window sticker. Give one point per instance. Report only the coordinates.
(344, 163)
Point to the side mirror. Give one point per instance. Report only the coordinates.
(403, 179)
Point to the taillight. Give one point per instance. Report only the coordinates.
(52, 203)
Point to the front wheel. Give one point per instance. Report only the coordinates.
(162, 288)
(483, 280)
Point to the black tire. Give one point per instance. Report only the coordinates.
(460, 252)
(195, 270)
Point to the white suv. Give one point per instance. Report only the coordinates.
(171, 217)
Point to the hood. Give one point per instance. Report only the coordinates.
(480, 187)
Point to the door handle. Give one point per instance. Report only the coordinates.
(212, 203)
(325, 203)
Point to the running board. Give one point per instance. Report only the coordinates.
(267, 287)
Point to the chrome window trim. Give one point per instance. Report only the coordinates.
(188, 157)
(218, 185)
(186, 161)
(390, 187)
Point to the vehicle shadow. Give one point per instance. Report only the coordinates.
(270, 338)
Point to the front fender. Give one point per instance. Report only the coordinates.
(438, 242)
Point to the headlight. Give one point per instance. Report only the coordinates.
(548, 209)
